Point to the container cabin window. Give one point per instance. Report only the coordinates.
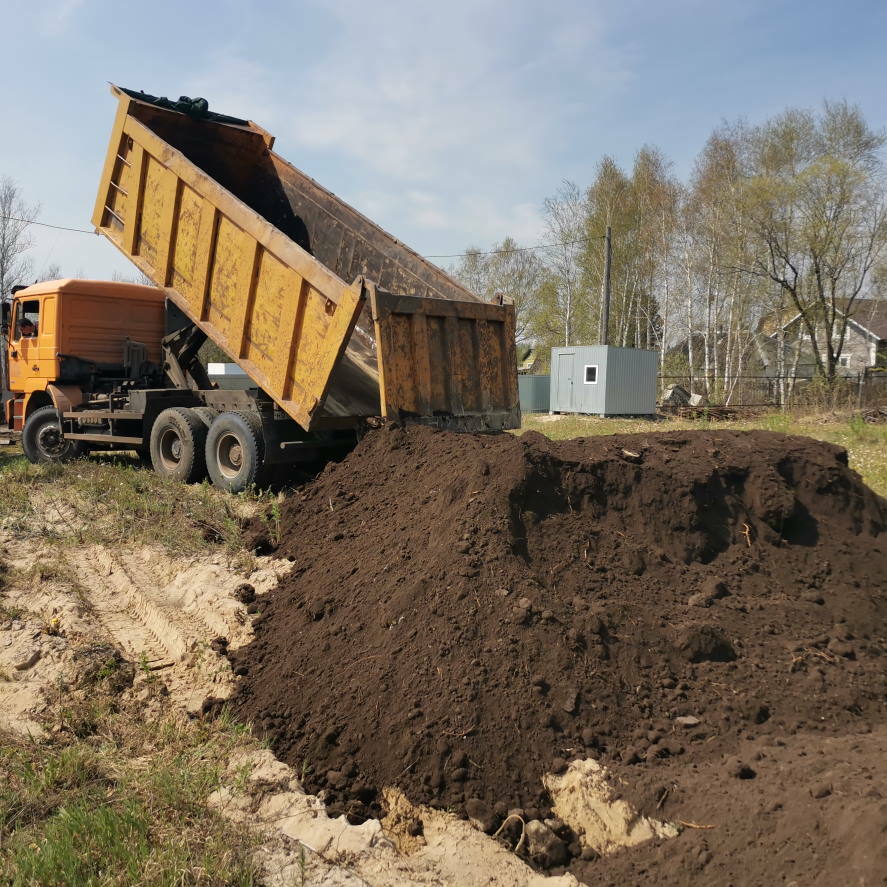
(591, 374)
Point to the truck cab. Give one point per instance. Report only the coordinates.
(101, 365)
(78, 342)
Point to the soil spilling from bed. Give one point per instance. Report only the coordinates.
(468, 613)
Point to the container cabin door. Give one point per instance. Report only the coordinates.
(565, 396)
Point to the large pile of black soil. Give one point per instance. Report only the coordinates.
(467, 613)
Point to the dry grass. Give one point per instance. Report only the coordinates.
(866, 444)
(113, 500)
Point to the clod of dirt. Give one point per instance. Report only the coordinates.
(480, 815)
(27, 660)
(245, 593)
(712, 590)
(705, 643)
(740, 770)
(546, 849)
(397, 651)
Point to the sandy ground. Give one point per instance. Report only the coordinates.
(167, 616)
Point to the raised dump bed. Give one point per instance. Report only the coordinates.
(332, 317)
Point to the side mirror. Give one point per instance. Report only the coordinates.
(4, 318)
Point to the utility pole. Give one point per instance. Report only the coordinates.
(605, 294)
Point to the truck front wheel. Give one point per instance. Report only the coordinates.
(42, 438)
(178, 438)
(234, 451)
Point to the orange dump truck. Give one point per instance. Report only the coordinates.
(338, 324)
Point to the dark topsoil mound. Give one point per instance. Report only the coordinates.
(469, 612)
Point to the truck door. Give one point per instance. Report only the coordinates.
(24, 345)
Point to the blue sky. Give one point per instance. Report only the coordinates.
(446, 122)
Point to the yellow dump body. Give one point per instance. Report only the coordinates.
(257, 254)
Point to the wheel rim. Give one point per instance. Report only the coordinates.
(229, 455)
(170, 449)
(50, 440)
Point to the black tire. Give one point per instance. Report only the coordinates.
(178, 440)
(205, 414)
(42, 438)
(235, 451)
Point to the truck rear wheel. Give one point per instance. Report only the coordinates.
(178, 440)
(234, 451)
(42, 438)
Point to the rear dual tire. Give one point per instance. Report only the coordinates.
(187, 444)
(235, 451)
(178, 445)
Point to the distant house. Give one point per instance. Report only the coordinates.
(529, 359)
(865, 342)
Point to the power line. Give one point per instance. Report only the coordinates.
(520, 249)
(492, 252)
(47, 225)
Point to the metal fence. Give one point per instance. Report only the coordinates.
(859, 391)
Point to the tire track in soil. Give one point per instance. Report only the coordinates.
(130, 599)
(195, 627)
(124, 613)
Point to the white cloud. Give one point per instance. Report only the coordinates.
(451, 116)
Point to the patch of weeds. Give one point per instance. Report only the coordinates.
(111, 500)
(38, 781)
(103, 667)
(10, 611)
(83, 716)
(272, 519)
(145, 668)
(81, 843)
(46, 571)
(859, 429)
(780, 422)
(51, 625)
(125, 804)
(224, 720)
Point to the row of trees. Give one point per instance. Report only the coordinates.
(784, 219)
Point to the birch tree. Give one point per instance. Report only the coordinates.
(565, 221)
(507, 270)
(16, 217)
(815, 198)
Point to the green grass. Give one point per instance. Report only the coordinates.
(866, 444)
(115, 799)
(114, 500)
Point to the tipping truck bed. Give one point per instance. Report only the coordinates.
(332, 317)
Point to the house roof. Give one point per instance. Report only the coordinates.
(870, 314)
